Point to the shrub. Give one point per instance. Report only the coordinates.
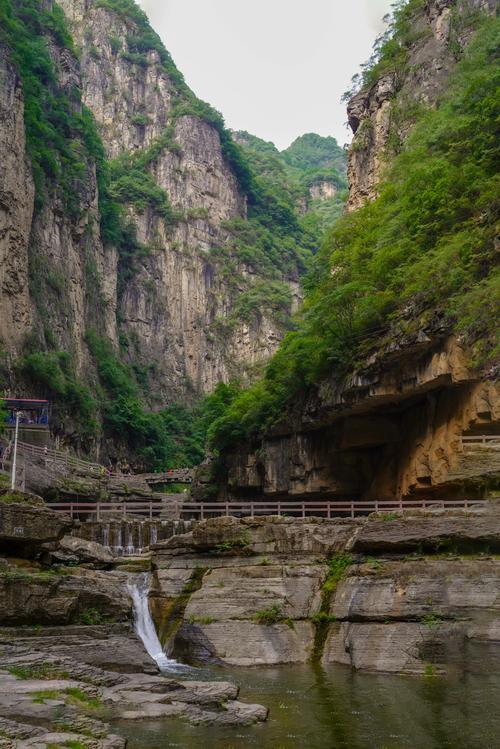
(269, 616)
(90, 617)
(45, 694)
(55, 129)
(79, 697)
(169, 438)
(53, 375)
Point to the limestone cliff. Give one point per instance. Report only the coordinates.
(173, 298)
(384, 418)
(171, 305)
(262, 591)
(50, 258)
(390, 430)
(381, 113)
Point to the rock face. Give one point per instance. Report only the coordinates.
(56, 273)
(393, 616)
(48, 245)
(25, 528)
(388, 431)
(80, 596)
(85, 551)
(16, 207)
(383, 111)
(339, 591)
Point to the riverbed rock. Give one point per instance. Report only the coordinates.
(98, 653)
(39, 675)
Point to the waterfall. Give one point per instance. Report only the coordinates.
(144, 625)
(153, 535)
(140, 538)
(105, 536)
(119, 544)
(130, 540)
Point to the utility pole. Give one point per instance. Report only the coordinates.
(14, 458)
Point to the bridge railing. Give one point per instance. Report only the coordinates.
(105, 510)
(203, 510)
(481, 441)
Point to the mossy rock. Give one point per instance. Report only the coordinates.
(16, 497)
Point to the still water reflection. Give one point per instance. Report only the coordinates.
(340, 709)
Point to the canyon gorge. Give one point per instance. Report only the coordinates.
(263, 508)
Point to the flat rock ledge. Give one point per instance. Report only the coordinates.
(52, 692)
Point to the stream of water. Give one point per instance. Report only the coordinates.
(138, 587)
(314, 708)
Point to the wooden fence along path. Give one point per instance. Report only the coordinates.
(52, 458)
(203, 510)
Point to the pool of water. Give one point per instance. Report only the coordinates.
(337, 708)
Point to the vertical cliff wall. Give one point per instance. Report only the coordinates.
(383, 413)
(431, 38)
(56, 275)
(183, 297)
(173, 306)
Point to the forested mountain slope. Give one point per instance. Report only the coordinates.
(311, 172)
(404, 295)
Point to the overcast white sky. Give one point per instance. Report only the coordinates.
(276, 68)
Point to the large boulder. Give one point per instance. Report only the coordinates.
(47, 598)
(84, 551)
(274, 535)
(25, 528)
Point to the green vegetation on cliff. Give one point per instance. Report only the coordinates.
(168, 438)
(55, 128)
(271, 240)
(62, 140)
(424, 248)
(390, 53)
(292, 174)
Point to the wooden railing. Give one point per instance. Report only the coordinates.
(59, 457)
(52, 457)
(203, 510)
(480, 440)
(103, 510)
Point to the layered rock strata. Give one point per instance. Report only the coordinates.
(391, 429)
(70, 662)
(404, 594)
(49, 258)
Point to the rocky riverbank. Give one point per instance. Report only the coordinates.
(411, 593)
(402, 594)
(71, 663)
